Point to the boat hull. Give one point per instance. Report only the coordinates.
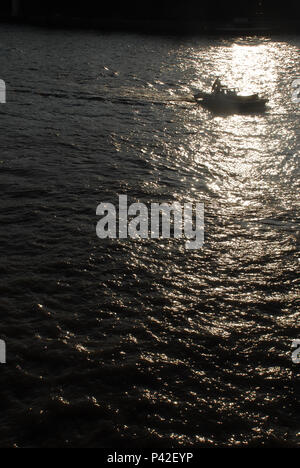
(225, 103)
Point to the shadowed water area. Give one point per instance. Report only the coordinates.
(142, 343)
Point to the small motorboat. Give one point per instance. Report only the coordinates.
(227, 99)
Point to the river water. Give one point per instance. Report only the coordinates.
(142, 343)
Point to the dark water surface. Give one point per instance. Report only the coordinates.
(140, 343)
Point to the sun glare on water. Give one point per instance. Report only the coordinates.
(252, 68)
